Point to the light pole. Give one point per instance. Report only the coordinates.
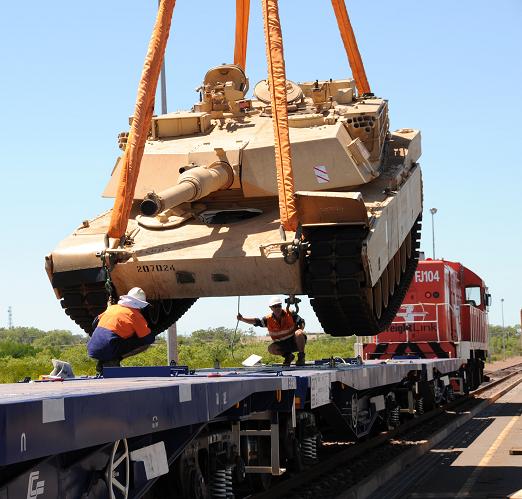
(503, 330)
(163, 83)
(433, 211)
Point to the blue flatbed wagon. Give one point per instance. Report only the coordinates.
(164, 432)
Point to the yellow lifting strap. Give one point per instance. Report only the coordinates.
(350, 45)
(277, 85)
(240, 46)
(141, 120)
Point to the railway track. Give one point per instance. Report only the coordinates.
(348, 469)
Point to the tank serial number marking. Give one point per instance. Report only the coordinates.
(156, 268)
(427, 276)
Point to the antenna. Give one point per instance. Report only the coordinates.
(10, 317)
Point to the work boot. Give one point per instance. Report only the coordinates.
(289, 357)
(106, 363)
(300, 359)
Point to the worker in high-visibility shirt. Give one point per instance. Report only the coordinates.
(121, 331)
(286, 329)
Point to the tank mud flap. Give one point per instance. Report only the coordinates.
(345, 208)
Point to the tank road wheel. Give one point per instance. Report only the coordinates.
(407, 241)
(385, 286)
(390, 270)
(84, 302)
(166, 306)
(336, 281)
(154, 313)
(157, 317)
(117, 474)
(397, 267)
(404, 256)
(377, 300)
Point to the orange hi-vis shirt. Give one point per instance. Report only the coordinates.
(283, 329)
(124, 321)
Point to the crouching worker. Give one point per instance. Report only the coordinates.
(286, 331)
(121, 331)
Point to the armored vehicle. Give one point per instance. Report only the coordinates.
(215, 211)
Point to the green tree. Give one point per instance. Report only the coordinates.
(59, 338)
(10, 348)
(504, 341)
(25, 335)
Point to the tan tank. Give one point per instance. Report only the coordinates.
(205, 219)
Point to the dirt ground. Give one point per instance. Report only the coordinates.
(501, 364)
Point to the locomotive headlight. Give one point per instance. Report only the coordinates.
(427, 294)
(436, 294)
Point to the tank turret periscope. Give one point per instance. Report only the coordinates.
(206, 219)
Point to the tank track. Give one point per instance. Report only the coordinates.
(335, 280)
(84, 302)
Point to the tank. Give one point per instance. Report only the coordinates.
(205, 217)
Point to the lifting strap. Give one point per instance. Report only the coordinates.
(141, 120)
(350, 45)
(240, 47)
(277, 86)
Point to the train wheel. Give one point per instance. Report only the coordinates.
(198, 487)
(117, 473)
(355, 412)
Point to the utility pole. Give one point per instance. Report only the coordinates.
(503, 330)
(433, 211)
(10, 317)
(172, 344)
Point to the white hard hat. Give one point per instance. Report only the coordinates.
(275, 300)
(135, 298)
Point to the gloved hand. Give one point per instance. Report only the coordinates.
(239, 317)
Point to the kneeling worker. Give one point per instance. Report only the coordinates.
(121, 331)
(285, 329)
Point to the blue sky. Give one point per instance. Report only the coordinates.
(68, 84)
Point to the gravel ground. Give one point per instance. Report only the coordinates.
(501, 364)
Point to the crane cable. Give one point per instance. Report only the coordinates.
(141, 121)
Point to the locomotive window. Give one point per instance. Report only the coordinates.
(473, 296)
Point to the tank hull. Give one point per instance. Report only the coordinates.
(339, 270)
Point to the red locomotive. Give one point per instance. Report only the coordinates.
(444, 314)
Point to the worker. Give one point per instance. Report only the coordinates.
(121, 331)
(285, 329)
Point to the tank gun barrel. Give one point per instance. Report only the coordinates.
(193, 184)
